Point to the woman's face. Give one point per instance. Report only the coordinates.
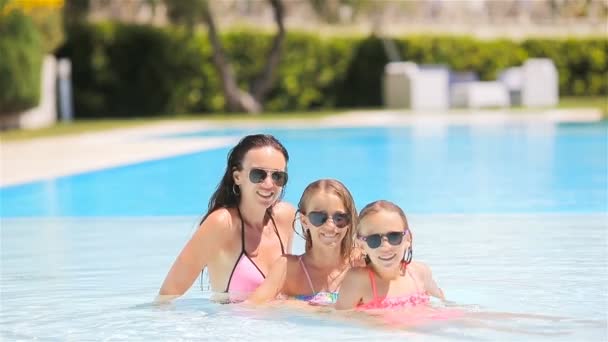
(384, 231)
(262, 177)
(327, 220)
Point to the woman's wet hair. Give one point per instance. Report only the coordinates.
(335, 187)
(226, 194)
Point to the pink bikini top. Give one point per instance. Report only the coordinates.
(417, 298)
(316, 298)
(246, 276)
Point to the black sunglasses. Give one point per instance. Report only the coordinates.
(279, 178)
(318, 218)
(375, 240)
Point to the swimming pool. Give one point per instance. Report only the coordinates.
(512, 218)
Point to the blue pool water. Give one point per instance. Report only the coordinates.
(512, 219)
(453, 169)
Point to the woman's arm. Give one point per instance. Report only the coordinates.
(204, 245)
(273, 284)
(351, 290)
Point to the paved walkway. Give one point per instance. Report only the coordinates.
(45, 158)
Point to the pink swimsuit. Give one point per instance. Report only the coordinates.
(424, 313)
(418, 298)
(246, 276)
(316, 298)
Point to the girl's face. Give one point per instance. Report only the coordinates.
(326, 219)
(262, 177)
(384, 237)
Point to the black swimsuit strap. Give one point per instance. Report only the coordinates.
(242, 231)
(276, 230)
(243, 252)
(274, 225)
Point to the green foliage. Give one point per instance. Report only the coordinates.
(362, 86)
(20, 62)
(129, 70)
(329, 10)
(75, 11)
(186, 12)
(311, 72)
(487, 58)
(582, 63)
(49, 23)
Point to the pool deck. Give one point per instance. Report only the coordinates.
(52, 157)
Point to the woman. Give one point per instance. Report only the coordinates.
(246, 227)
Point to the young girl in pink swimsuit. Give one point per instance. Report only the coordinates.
(391, 279)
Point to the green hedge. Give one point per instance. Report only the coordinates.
(130, 70)
(582, 64)
(21, 53)
(120, 70)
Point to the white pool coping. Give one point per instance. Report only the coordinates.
(52, 157)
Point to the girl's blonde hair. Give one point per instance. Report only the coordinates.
(382, 205)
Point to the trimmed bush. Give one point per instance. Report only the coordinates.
(20, 63)
(131, 70)
(128, 70)
(49, 23)
(582, 63)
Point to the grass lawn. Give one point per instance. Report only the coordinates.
(92, 125)
(83, 126)
(586, 102)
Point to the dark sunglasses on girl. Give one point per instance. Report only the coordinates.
(279, 178)
(375, 240)
(318, 218)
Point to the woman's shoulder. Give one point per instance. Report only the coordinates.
(284, 210)
(219, 222)
(284, 214)
(219, 216)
